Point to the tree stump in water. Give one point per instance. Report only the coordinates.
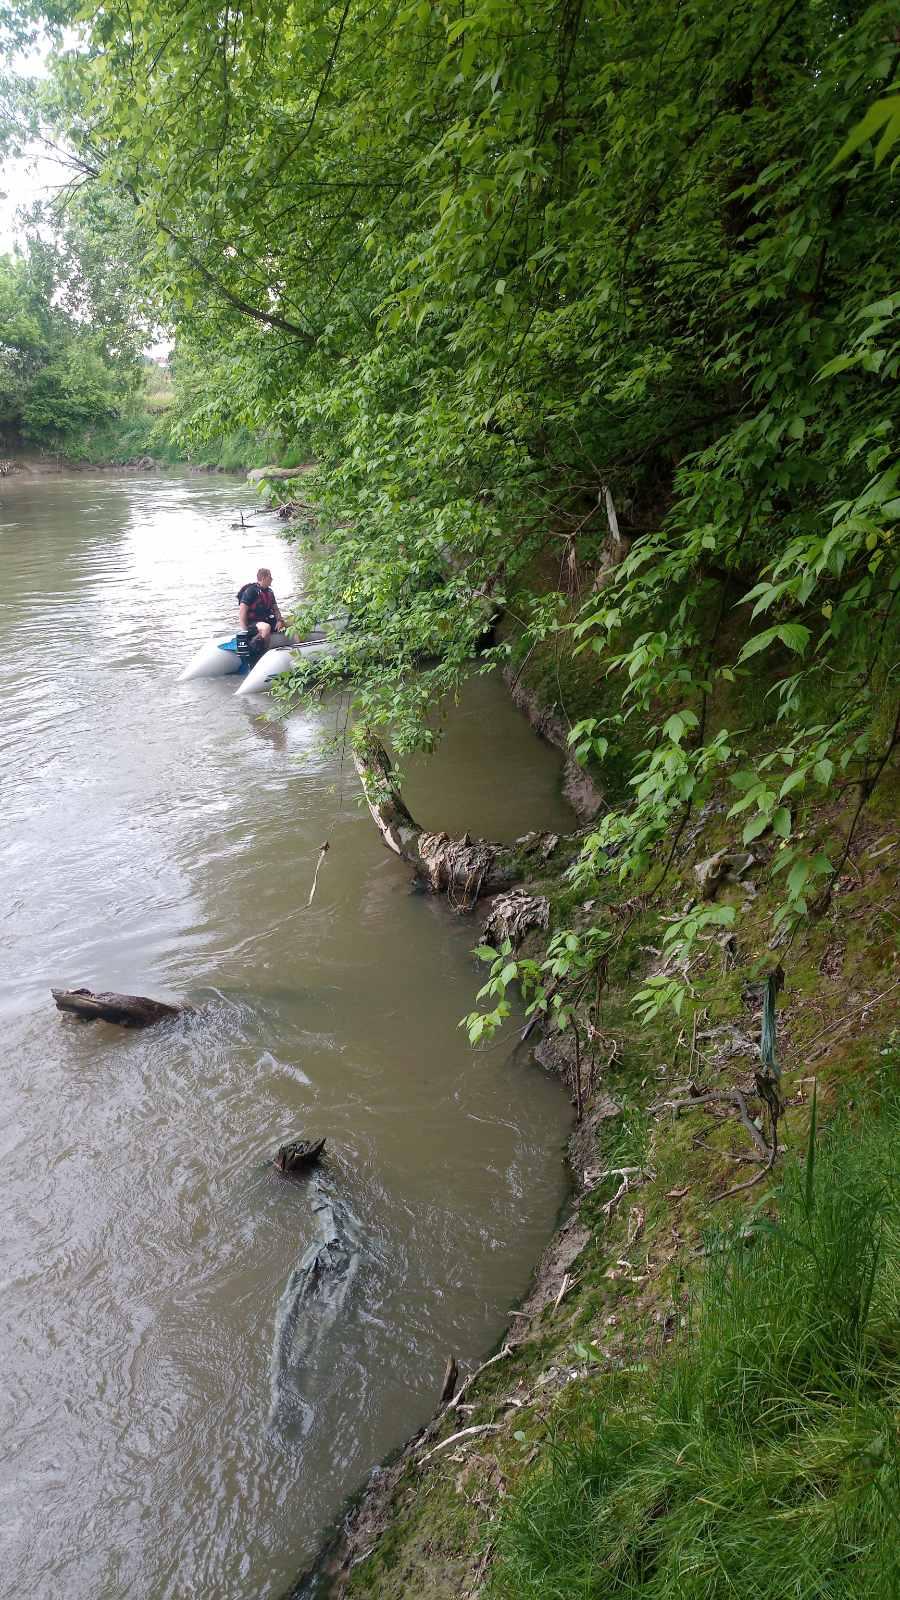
(298, 1155)
(128, 1010)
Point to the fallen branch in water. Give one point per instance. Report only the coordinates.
(323, 851)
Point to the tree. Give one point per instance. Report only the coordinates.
(57, 373)
(550, 284)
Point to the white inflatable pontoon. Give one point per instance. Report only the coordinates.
(219, 657)
(214, 659)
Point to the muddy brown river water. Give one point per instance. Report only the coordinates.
(158, 1442)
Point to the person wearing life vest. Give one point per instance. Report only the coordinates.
(259, 616)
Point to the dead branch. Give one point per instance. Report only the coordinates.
(732, 1097)
(323, 851)
(757, 1176)
(466, 1384)
(464, 1433)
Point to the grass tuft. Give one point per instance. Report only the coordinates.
(762, 1459)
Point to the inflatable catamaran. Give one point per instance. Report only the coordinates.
(229, 655)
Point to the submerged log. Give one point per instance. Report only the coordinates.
(313, 1297)
(129, 1010)
(463, 869)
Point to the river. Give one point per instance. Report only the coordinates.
(161, 838)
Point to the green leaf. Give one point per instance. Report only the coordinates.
(794, 780)
(781, 822)
(794, 635)
(755, 827)
(884, 114)
(797, 877)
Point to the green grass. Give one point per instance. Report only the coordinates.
(761, 1459)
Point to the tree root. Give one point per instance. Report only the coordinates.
(731, 1097)
(757, 1176)
(464, 869)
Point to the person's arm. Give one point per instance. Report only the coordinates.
(243, 616)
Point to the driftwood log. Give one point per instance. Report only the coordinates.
(129, 1010)
(278, 474)
(463, 869)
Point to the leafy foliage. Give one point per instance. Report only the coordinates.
(58, 374)
(607, 290)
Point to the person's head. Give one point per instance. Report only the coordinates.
(264, 577)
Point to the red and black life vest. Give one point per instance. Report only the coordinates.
(260, 603)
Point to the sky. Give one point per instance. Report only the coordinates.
(37, 176)
(30, 178)
(21, 183)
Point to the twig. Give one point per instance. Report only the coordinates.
(843, 1021)
(481, 1569)
(613, 1172)
(562, 1289)
(728, 1155)
(610, 1206)
(464, 1433)
(757, 1178)
(865, 795)
(731, 1097)
(467, 1382)
(323, 851)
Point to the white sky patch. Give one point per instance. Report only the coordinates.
(38, 175)
(29, 177)
(23, 181)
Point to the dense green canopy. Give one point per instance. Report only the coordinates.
(546, 285)
(60, 371)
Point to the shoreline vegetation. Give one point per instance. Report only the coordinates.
(700, 1299)
(140, 448)
(588, 317)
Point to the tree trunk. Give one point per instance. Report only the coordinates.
(463, 869)
(129, 1010)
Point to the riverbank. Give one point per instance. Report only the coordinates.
(669, 1162)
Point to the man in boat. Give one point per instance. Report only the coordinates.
(259, 615)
